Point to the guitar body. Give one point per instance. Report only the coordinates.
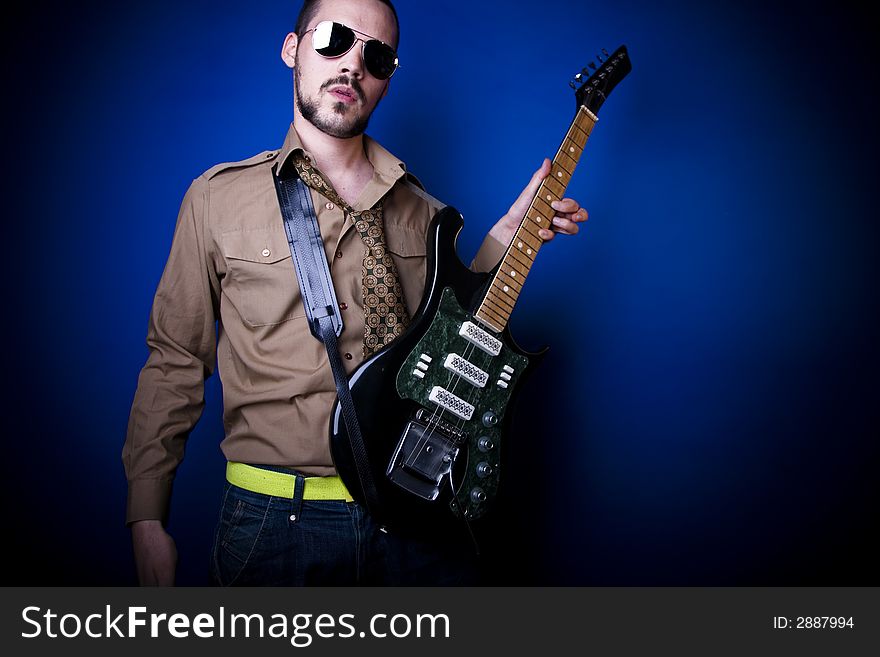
(432, 467)
(434, 405)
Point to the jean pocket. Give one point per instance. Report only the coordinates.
(237, 538)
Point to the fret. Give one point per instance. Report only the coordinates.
(500, 301)
(554, 186)
(512, 274)
(512, 283)
(491, 319)
(497, 305)
(546, 195)
(560, 175)
(584, 129)
(506, 290)
(526, 240)
(516, 262)
(522, 257)
(585, 120)
(498, 288)
(578, 136)
(536, 220)
(571, 149)
(566, 162)
(514, 268)
(544, 208)
(496, 310)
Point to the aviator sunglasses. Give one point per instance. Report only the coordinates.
(332, 39)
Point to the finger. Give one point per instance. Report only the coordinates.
(521, 205)
(546, 235)
(566, 205)
(580, 216)
(563, 225)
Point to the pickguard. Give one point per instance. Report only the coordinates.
(459, 380)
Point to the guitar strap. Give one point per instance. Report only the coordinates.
(322, 310)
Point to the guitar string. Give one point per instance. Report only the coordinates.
(457, 423)
(433, 423)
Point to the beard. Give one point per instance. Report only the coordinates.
(342, 121)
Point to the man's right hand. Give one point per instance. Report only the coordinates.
(155, 554)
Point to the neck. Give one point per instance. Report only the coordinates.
(503, 291)
(334, 156)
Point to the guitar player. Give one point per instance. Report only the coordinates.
(286, 518)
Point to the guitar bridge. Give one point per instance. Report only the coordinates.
(425, 454)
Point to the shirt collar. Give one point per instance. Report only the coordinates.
(386, 166)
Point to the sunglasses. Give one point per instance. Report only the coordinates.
(332, 39)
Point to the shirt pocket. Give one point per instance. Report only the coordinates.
(261, 282)
(408, 248)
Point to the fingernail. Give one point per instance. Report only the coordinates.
(555, 205)
(557, 221)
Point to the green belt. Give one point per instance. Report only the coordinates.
(279, 484)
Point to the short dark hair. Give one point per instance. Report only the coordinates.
(310, 8)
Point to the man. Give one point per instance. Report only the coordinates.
(286, 519)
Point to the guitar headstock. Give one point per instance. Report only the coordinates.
(602, 78)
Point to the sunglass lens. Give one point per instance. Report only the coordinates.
(380, 59)
(332, 39)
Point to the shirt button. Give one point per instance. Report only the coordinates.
(329, 206)
(266, 253)
(343, 306)
(339, 254)
(347, 356)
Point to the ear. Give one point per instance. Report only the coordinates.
(288, 50)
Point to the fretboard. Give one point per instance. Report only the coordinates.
(495, 308)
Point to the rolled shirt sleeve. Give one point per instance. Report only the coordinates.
(489, 254)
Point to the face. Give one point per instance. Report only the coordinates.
(338, 95)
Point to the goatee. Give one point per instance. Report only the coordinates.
(336, 126)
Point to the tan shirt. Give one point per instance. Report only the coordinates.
(230, 261)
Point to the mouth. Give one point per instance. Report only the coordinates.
(344, 94)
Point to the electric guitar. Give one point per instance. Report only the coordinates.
(434, 405)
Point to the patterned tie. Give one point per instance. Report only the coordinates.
(385, 315)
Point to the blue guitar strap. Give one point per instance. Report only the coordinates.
(322, 310)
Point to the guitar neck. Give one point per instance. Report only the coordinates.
(496, 306)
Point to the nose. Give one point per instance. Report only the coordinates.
(352, 62)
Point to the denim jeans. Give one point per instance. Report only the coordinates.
(263, 540)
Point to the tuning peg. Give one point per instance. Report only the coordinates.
(573, 85)
(592, 65)
(600, 58)
(605, 52)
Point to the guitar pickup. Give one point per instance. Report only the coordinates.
(480, 338)
(452, 403)
(466, 370)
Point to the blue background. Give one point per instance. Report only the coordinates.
(708, 412)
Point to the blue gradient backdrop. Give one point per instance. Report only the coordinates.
(708, 412)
